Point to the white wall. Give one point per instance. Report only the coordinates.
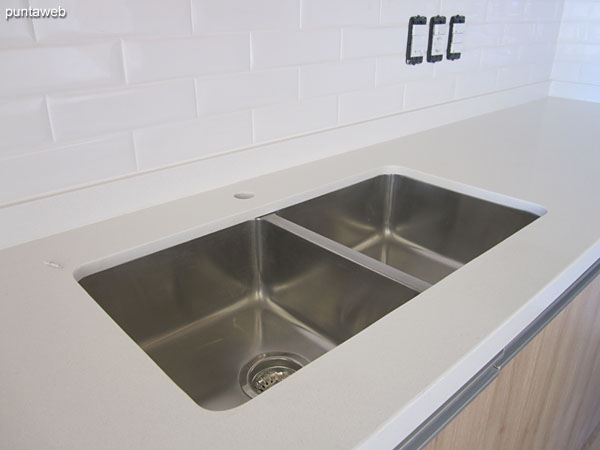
(123, 87)
(577, 64)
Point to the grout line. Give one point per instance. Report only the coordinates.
(455, 89)
(497, 80)
(341, 43)
(123, 62)
(196, 98)
(135, 151)
(50, 122)
(41, 148)
(404, 90)
(82, 40)
(375, 85)
(299, 88)
(35, 34)
(192, 17)
(300, 6)
(251, 52)
(579, 72)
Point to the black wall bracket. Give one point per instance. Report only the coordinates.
(413, 56)
(434, 25)
(455, 38)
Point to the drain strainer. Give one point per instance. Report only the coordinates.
(267, 369)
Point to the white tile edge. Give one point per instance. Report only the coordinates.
(575, 91)
(72, 209)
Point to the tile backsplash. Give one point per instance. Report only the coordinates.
(577, 63)
(120, 87)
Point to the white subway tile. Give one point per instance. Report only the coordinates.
(469, 61)
(295, 118)
(331, 78)
(235, 15)
(474, 10)
(546, 32)
(576, 10)
(365, 42)
(569, 52)
(558, 11)
(172, 143)
(483, 35)
(420, 94)
(317, 13)
(363, 105)
(23, 124)
(586, 53)
(33, 70)
(92, 18)
(15, 31)
(566, 71)
(511, 77)
(230, 93)
(572, 31)
(586, 93)
(499, 56)
(537, 53)
(160, 59)
(540, 71)
(399, 11)
(65, 167)
(92, 114)
(590, 73)
(471, 84)
(393, 69)
(281, 48)
(503, 10)
(542, 9)
(593, 33)
(518, 33)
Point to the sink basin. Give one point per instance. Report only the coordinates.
(232, 313)
(418, 228)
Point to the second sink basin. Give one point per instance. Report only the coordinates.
(421, 229)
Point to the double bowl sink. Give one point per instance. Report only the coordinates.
(228, 315)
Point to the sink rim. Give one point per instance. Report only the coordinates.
(246, 211)
(128, 254)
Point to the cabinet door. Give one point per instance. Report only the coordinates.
(547, 397)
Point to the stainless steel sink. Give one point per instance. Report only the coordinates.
(419, 228)
(231, 314)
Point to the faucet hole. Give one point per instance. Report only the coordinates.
(244, 195)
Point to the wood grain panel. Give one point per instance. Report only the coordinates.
(547, 397)
(593, 442)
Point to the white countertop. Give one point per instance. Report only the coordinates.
(71, 378)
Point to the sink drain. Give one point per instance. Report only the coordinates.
(267, 369)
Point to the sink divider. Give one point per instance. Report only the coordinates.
(347, 253)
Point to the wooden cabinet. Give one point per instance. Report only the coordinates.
(547, 397)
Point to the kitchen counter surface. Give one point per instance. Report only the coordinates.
(71, 378)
